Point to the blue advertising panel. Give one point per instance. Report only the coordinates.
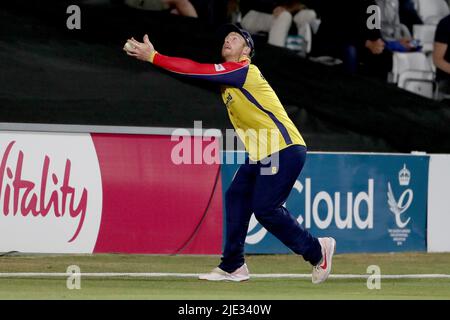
(367, 202)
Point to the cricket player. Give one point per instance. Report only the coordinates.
(253, 107)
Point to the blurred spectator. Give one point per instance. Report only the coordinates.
(441, 55)
(343, 33)
(391, 28)
(180, 7)
(214, 12)
(234, 14)
(275, 17)
(395, 34)
(408, 14)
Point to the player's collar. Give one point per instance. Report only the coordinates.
(244, 58)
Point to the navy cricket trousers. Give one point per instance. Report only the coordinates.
(252, 192)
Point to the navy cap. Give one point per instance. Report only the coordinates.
(229, 27)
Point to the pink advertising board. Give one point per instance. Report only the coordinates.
(106, 192)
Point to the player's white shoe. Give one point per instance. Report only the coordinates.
(321, 272)
(217, 274)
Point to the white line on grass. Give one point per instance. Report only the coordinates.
(195, 275)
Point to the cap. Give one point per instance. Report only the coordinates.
(229, 27)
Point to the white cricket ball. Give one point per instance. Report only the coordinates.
(128, 46)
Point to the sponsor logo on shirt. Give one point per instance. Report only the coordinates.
(219, 67)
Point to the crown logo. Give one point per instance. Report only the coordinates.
(404, 176)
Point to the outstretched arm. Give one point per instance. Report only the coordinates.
(227, 73)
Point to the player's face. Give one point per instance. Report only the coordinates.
(233, 47)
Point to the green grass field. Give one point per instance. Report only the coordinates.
(171, 288)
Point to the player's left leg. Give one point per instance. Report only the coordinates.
(238, 199)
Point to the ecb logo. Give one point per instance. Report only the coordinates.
(399, 206)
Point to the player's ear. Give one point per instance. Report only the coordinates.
(246, 51)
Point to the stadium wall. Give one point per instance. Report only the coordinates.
(76, 189)
(439, 204)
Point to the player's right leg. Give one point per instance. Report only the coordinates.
(270, 192)
(238, 212)
(322, 270)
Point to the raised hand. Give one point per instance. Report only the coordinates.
(139, 50)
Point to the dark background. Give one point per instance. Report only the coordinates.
(49, 74)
